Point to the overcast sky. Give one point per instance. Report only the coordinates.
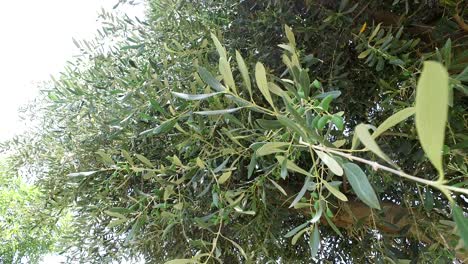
(36, 41)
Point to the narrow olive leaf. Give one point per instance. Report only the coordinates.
(462, 223)
(292, 125)
(209, 79)
(271, 147)
(127, 157)
(330, 162)
(144, 160)
(260, 77)
(367, 140)
(297, 236)
(218, 112)
(221, 50)
(194, 97)
(296, 229)
(364, 54)
(83, 173)
(181, 261)
(290, 36)
(269, 124)
(301, 192)
(361, 185)
(106, 158)
(431, 110)
(335, 192)
(314, 242)
(224, 177)
(244, 72)
(164, 127)
(279, 187)
(115, 214)
(393, 120)
(293, 167)
(226, 72)
(251, 167)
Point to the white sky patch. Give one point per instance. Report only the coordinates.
(36, 41)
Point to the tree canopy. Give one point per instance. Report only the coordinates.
(259, 132)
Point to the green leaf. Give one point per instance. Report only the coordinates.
(260, 77)
(144, 160)
(106, 158)
(330, 162)
(364, 54)
(244, 72)
(251, 167)
(226, 72)
(290, 36)
(367, 140)
(335, 192)
(325, 104)
(127, 157)
(218, 112)
(221, 50)
(301, 193)
(361, 185)
(224, 177)
(181, 261)
(431, 111)
(297, 236)
(209, 79)
(164, 127)
(115, 214)
(290, 124)
(83, 173)
(296, 229)
(293, 167)
(314, 242)
(462, 223)
(279, 187)
(393, 120)
(195, 96)
(338, 121)
(269, 124)
(271, 147)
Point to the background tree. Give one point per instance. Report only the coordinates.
(24, 235)
(175, 143)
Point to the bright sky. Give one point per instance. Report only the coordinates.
(36, 42)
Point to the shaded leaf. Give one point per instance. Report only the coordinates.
(361, 186)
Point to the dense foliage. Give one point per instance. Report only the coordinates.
(260, 132)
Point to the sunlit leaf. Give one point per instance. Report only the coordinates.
(367, 140)
(431, 111)
(244, 72)
(218, 112)
(209, 79)
(262, 83)
(330, 162)
(195, 96)
(393, 120)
